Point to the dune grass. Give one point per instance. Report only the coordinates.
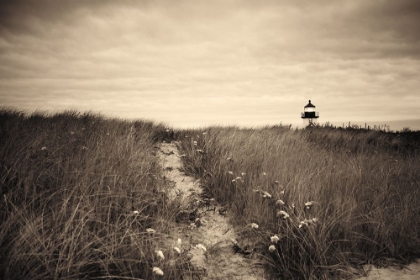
(78, 194)
(336, 199)
(83, 197)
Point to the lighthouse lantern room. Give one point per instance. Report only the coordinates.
(309, 114)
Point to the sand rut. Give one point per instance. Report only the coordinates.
(204, 224)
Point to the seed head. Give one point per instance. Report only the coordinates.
(201, 246)
(272, 248)
(280, 202)
(159, 254)
(157, 271)
(176, 249)
(274, 239)
(266, 194)
(282, 214)
(309, 204)
(150, 230)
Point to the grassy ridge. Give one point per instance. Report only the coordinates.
(364, 189)
(70, 186)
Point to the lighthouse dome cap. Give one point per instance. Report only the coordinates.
(309, 105)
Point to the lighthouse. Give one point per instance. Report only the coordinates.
(309, 114)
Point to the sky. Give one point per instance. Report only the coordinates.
(193, 63)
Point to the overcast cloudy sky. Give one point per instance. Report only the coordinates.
(192, 63)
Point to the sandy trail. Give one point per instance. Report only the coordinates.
(410, 272)
(217, 260)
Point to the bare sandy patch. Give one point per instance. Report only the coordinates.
(410, 272)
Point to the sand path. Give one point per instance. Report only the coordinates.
(410, 272)
(210, 228)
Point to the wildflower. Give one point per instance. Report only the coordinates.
(159, 254)
(254, 225)
(283, 214)
(204, 133)
(179, 241)
(233, 181)
(276, 182)
(150, 230)
(309, 204)
(256, 191)
(71, 132)
(167, 130)
(43, 148)
(265, 174)
(201, 246)
(282, 192)
(135, 212)
(307, 222)
(243, 174)
(238, 178)
(85, 148)
(195, 143)
(230, 172)
(274, 239)
(272, 248)
(280, 202)
(302, 223)
(200, 151)
(157, 271)
(176, 249)
(266, 194)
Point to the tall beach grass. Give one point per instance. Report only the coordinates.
(336, 199)
(80, 197)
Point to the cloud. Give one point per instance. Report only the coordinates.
(234, 61)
